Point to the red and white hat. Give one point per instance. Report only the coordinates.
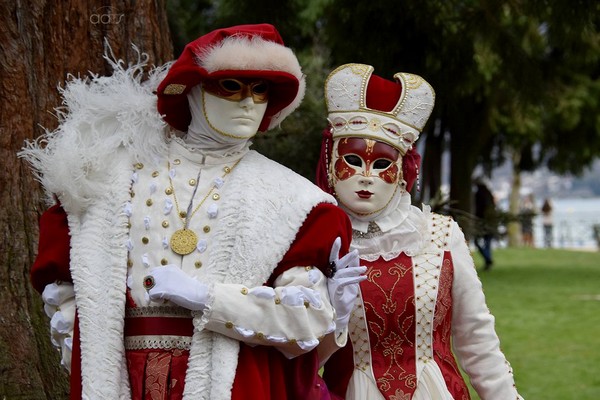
(243, 51)
(360, 103)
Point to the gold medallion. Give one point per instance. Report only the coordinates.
(183, 241)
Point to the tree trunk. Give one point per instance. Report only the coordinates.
(40, 43)
(431, 164)
(513, 226)
(470, 134)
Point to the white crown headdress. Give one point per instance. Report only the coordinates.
(346, 97)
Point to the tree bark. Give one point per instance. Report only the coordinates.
(432, 164)
(513, 226)
(40, 43)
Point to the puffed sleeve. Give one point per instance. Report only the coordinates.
(475, 341)
(52, 261)
(292, 310)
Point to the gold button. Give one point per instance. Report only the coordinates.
(244, 291)
(169, 191)
(145, 240)
(132, 193)
(206, 229)
(260, 335)
(228, 324)
(292, 341)
(192, 182)
(177, 161)
(227, 170)
(139, 165)
(306, 303)
(164, 261)
(165, 224)
(182, 214)
(308, 268)
(149, 202)
(128, 225)
(155, 174)
(129, 263)
(277, 300)
(198, 264)
(216, 196)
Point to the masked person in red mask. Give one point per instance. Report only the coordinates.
(196, 266)
(422, 303)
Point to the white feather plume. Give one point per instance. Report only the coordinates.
(100, 116)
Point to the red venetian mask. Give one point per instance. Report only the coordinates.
(366, 157)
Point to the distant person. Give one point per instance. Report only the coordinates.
(547, 222)
(485, 211)
(526, 215)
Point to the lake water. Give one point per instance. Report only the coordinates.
(574, 220)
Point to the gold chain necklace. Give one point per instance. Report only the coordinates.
(184, 240)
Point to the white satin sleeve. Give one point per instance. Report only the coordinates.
(474, 337)
(294, 315)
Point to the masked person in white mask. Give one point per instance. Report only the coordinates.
(197, 266)
(422, 304)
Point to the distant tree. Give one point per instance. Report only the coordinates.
(510, 76)
(507, 74)
(41, 43)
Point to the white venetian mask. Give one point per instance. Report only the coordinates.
(366, 174)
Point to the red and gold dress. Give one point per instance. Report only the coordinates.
(421, 309)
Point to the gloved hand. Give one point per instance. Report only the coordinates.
(59, 305)
(171, 283)
(344, 284)
(56, 294)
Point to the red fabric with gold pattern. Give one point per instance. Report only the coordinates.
(391, 324)
(442, 346)
(392, 332)
(157, 374)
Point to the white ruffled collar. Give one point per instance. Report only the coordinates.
(388, 221)
(404, 230)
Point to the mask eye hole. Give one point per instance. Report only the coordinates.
(353, 160)
(381, 163)
(230, 85)
(260, 88)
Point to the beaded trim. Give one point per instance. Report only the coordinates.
(158, 342)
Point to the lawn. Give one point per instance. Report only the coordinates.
(547, 308)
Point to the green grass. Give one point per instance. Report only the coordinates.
(547, 308)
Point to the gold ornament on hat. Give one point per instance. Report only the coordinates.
(184, 240)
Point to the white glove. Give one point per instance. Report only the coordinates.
(59, 305)
(171, 283)
(56, 294)
(344, 284)
(297, 295)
